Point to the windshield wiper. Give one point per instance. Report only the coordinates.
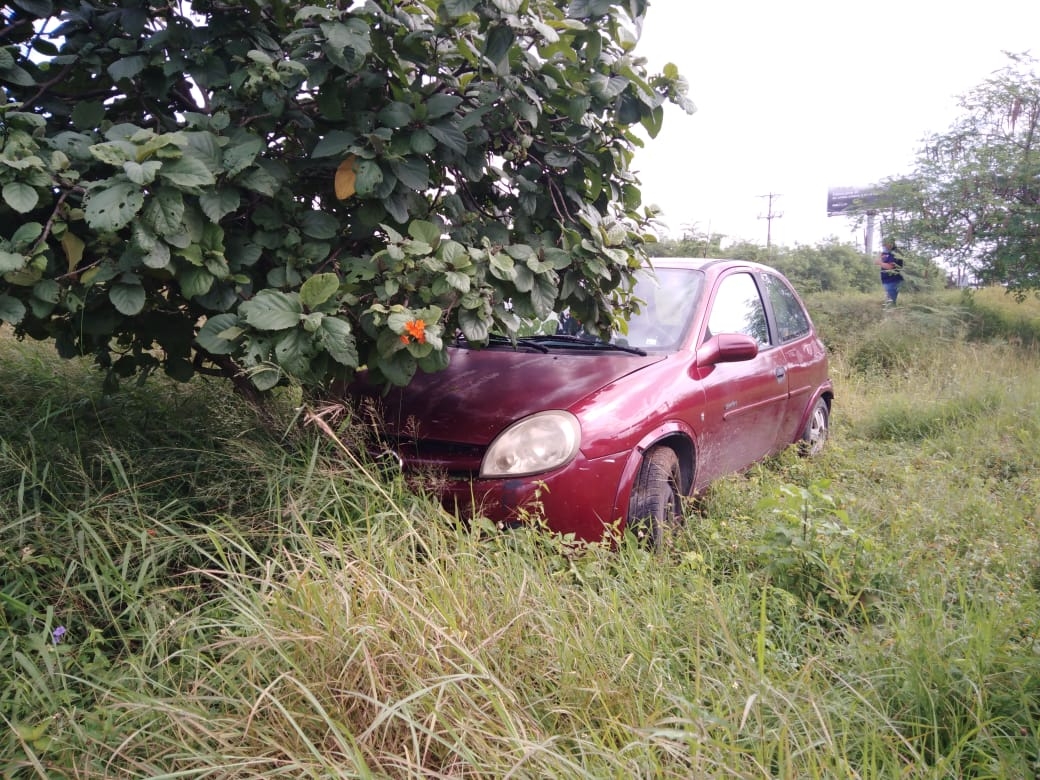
(580, 341)
(495, 340)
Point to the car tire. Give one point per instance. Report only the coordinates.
(814, 436)
(656, 504)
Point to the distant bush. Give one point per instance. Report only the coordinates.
(997, 315)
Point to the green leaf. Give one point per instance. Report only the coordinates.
(187, 173)
(427, 232)
(606, 88)
(88, 114)
(111, 208)
(259, 180)
(441, 105)
(347, 44)
(265, 377)
(630, 109)
(217, 204)
(501, 266)
(12, 310)
(114, 152)
(450, 136)
(398, 367)
(294, 349)
(24, 277)
(165, 211)
(26, 234)
(653, 121)
(47, 290)
(335, 144)
(20, 197)
(543, 296)
(412, 172)
(141, 173)
(195, 282)
(36, 7)
(127, 68)
(11, 261)
(18, 76)
(312, 11)
(474, 327)
(219, 334)
(395, 114)
(458, 280)
(318, 289)
(338, 341)
(240, 156)
(318, 224)
(369, 177)
(179, 369)
(127, 297)
(272, 310)
(523, 279)
(158, 256)
(499, 41)
(422, 142)
(457, 8)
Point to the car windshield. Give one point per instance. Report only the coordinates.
(669, 297)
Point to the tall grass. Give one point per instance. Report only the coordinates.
(242, 601)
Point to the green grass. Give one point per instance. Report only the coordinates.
(242, 600)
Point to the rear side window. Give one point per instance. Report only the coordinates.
(738, 308)
(791, 319)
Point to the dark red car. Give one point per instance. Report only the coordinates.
(721, 368)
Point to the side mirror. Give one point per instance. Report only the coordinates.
(726, 348)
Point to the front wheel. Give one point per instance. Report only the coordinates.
(656, 504)
(814, 436)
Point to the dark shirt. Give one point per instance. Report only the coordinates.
(891, 274)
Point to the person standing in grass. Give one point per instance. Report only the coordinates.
(891, 270)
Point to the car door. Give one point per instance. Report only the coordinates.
(802, 354)
(744, 401)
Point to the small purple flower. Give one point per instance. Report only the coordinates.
(58, 634)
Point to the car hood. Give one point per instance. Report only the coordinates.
(483, 391)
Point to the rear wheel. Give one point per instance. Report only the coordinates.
(656, 504)
(816, 429)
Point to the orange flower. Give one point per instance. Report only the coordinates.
(416, 329)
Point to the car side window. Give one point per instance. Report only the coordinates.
(791, 319)
(738, 308)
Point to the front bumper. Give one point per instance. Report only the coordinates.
(585, 498)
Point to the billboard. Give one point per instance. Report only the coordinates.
(851, 200)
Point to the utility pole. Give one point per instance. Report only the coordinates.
(769, 216)
(868, 237)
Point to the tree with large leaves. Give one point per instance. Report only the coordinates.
(973, 198)
(285, 193)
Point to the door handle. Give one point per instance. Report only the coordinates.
(780, 374)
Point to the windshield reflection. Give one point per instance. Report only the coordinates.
(669, 296)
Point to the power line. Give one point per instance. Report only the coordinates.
(769, 216)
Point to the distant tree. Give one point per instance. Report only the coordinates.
(275, 191)
(829, 266)
(974, 196)
(693, 243)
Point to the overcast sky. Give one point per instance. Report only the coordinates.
(799, 96)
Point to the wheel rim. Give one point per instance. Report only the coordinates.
(817, 429)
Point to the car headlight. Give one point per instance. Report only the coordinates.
(534, 444)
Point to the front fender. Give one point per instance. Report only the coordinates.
(675, 435)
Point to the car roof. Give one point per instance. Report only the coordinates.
(705, 263)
